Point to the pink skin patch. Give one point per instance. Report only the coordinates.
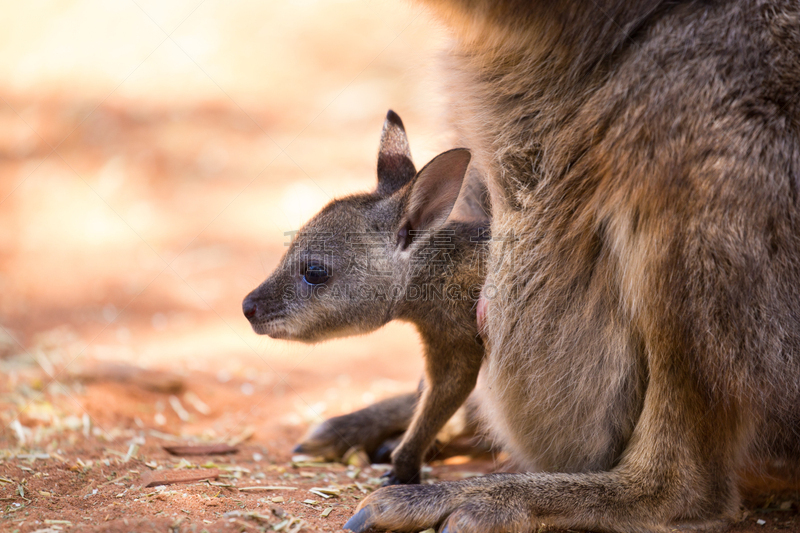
(481, 313)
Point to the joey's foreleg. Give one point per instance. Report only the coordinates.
(449, 380)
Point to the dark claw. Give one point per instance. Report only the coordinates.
(383, 455)
(360, 521)
(390, 479)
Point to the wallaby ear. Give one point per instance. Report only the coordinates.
(473, 204)
(395, 167)
(434, 192)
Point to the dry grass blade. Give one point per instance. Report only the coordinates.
(154, 380)
(202, 449)
(310, 464)
(243, 436)
(176, 405)
(244, 514)
(115, 480)
(327, 491)
(356, 457)
(260, 488)
(163, 436)
(154, 478)
(199, 405)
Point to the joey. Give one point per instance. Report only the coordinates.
(370, 258)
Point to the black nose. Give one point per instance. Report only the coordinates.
(249, 306)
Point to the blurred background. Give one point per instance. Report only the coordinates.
(153, 156)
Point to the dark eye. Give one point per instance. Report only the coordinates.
(316, 274)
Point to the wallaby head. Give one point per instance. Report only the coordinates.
(347, 268)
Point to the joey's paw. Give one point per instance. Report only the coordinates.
(393, 478)
(451, 507)
(329, 440)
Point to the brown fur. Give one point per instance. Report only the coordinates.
(388, 255)
(645, 156)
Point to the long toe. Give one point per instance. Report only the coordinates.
(360, 521)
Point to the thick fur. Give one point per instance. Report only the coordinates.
(388, 255)
(645, 157)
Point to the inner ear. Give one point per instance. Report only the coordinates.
(473, 204)
(434, 192)
(395, 167)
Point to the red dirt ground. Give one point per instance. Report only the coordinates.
(89, 475)
(73, 481)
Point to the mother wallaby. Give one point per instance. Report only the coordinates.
(645, 157)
